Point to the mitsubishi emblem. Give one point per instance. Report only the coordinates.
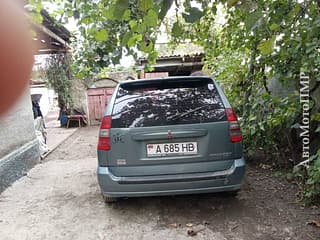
(170, 136)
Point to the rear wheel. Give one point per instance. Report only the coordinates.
(108, 199)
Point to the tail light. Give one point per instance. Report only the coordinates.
(104, 134)
(234, 126)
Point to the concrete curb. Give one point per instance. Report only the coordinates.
(17, 163)
(58, 144)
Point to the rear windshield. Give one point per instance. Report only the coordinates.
(167, 102)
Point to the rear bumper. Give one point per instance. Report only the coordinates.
(173, 184)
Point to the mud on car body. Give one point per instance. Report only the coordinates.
(175, 135)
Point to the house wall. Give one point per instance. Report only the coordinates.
(122, 75)
(46, 101)
(79, 96)
(19, 150)
(155, 75)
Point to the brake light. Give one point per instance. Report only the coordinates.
(234, 126)
(104, 134)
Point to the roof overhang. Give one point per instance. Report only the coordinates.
(47, 42)
(50, 37)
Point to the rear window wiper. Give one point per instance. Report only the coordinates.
(180, 115)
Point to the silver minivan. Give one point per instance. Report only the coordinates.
(167, 136)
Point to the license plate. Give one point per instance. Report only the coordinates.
(165, 149)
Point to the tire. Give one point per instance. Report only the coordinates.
(108, 199)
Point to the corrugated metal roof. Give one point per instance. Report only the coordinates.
(55, 27)
(184, 50)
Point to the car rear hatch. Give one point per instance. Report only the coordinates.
(169, 126)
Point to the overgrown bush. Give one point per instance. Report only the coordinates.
(270, 127)
(59, 76)
(312, 187)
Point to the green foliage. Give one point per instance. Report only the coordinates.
(101, 35)
(269, 127)
(266, 46)
(312, 185)
(176, 30)
(35, 7)
(145, 5)
(110, 29)
(193, 15)
(151, 19)
(58, 74)
(260, 41)
(230, 71)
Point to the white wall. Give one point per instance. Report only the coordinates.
(19, 147)
(46, 100)
(16, 126)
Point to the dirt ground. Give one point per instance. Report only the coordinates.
(60, 199)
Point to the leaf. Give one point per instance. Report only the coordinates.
(109, 12)
(152, 57)
(101, 35)
(231, 3)
(145, 5)
(133, 24)
(139, 37)
(193, 15)
(119, 8)
(274, 27)
(79, 75)
(214, 9)
(252, 21)
(132, 42)
(174, 225)
(295, 10)
(135, 38)
(145, 48)
(189, 225)
(266, 46)
(36, 17)
(37, 6)
(141, 28)
(125, 38)
(151, 19)
(317, 162)
(176, 29)
(76, 14)
(126, 15)
(296, 125)
(315, 223)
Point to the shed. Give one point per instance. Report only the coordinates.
(182, 60)
(98, 96)
(172, 66)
